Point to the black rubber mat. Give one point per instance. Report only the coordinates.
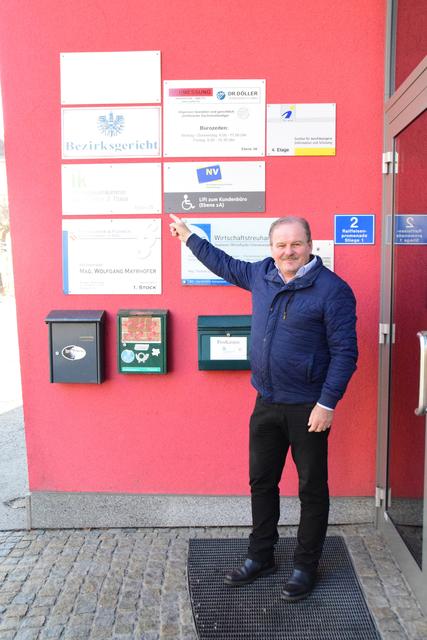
(335, 610)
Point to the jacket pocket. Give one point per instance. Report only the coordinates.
(319, 368)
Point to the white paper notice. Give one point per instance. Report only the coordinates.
(111, 132)
(208, 118)
(110, 77)
(230, 348)
(212, 187)
(111, 256)
(301, 129)
(120, 188)
(243, 238)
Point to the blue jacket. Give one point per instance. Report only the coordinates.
(304, 347)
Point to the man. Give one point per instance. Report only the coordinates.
(303, 354)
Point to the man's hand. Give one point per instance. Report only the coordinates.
(179, 229)
(320, 418)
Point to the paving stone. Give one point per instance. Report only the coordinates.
(16, 611)
(131, 583)
(51, 632)
(8, 624)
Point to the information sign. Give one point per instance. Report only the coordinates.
(354, 229)
(243, 238)
(110, 132)
(410, 229)
(301, 129)
(111, 256)
(214, 187)
(110, 77)
(214, 118)
(119, 188)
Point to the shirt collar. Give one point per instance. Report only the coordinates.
(301, 271)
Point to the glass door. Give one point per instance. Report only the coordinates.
(402, 477)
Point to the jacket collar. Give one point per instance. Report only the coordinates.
(297, 283)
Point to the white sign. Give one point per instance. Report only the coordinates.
(111, 132)
(120, 188)
(215, 186)
(110, 77)
(230, 348)
(243, 238)
(301, 129)
(208, 118)
(325, 249)
(111, 256)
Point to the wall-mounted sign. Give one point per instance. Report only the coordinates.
(214, 186)
(209, 118)
(111, 256)
(410, 229)
(111, 132)
(301, 129)
(354, 229)
(110, 77)
(119, 188)
(243, 238)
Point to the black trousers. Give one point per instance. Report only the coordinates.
(274, 428)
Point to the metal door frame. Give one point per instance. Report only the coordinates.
(408, 102)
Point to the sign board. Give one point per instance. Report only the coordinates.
(110, 77)
(119, 188)
(214, 187)
(214, 118)
(301, 129)
(243, 238)
(410, 229)
(111, 256)
(110, 132)
(354, 229)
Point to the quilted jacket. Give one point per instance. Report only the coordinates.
(303, 335)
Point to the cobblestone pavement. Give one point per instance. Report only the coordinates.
(131, 583)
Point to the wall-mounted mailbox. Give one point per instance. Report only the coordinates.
(76, 346)
(224, 342)
(142, 344)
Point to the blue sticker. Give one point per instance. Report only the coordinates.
(203, 230)
(209, 174)
(354, 229)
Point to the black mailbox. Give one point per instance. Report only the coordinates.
(76, 346)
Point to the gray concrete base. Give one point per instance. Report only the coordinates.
(51, 510)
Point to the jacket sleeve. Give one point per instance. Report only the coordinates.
(237, 272)
(340, 322)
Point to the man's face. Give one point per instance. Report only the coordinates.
(290, 248)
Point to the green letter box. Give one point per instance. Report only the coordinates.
(76, 346)
(224, 342)
(142, 340)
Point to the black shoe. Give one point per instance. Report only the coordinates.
(249, 571)
(299, 585)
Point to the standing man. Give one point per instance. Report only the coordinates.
(303, 354)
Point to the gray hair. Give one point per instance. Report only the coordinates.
(290, 220)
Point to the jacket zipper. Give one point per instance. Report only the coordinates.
(274, 328)
(285, 313)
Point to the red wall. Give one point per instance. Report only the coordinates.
(186, 432)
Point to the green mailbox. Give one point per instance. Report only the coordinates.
(142, 340)
(224, 342)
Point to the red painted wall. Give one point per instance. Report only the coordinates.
(186, 432)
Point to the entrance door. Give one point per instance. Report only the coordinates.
(403, 333)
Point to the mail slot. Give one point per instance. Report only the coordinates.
(76, 346)
(224, 342)
(142, 343)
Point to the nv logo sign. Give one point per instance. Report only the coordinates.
(209, 174)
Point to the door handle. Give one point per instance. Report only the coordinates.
(422, 402)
